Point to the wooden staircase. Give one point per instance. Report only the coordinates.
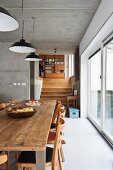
(57, 89)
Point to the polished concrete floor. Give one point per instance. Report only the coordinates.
(108, 124)
(85, 149)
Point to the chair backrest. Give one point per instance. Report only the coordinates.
(56, 111)
(61, 122)
(62, 112)
(57, 103)
(3, 158)
(57, 146)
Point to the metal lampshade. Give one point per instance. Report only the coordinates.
(22, 47)
(33, 57)
(7, 22)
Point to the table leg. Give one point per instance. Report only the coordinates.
(40, 160)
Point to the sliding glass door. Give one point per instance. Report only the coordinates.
(108, 117)
(101, 89)
(95, 87)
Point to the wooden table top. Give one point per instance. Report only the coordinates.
(26, 134)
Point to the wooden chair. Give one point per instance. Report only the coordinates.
(3, 159)
(73, 99)
(58, 103)
(59, 109)
(53, 158)
(52, 136)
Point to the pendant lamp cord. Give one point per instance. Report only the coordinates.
(33, 18)
(22, 19)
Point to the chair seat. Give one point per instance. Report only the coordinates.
(29, 156)
(53, 126)
(51, 136)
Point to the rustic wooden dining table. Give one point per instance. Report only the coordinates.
(28, 134)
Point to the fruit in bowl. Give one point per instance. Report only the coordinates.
(20, 111)
(9, 109)
(3, 105)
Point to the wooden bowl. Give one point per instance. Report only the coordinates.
(21, 114)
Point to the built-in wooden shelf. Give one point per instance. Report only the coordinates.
(52, 66)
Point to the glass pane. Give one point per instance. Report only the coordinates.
(95, 87)
(108, 120)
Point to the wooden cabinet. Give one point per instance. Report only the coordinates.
(59, 67)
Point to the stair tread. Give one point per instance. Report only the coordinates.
(54, 95)
(57, 89)
(62, 92)
(66, 88)
(58, 98)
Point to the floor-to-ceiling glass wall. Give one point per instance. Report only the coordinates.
(108, 116)
(101, 88)
(95, 87)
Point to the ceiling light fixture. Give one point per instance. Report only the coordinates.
(7, 22)
(33, 56)
(22, 46)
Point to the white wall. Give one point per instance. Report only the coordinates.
(69, 65)
(66, 61)
(37, 82)
(83, 87)
(100, 27)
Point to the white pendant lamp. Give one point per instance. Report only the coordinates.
(33, 56)
(7, 22)
(22, 46)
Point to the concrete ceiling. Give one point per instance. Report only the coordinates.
(59, 24)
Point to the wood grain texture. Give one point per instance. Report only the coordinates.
(54, 75)
(3, 159)
(57, 89)
(26, 133)
(72, 98)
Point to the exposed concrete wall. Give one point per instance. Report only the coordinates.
(14, 75)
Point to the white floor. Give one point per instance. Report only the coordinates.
(85, 149)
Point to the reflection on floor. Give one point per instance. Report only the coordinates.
(85, 149)
(108, 124)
